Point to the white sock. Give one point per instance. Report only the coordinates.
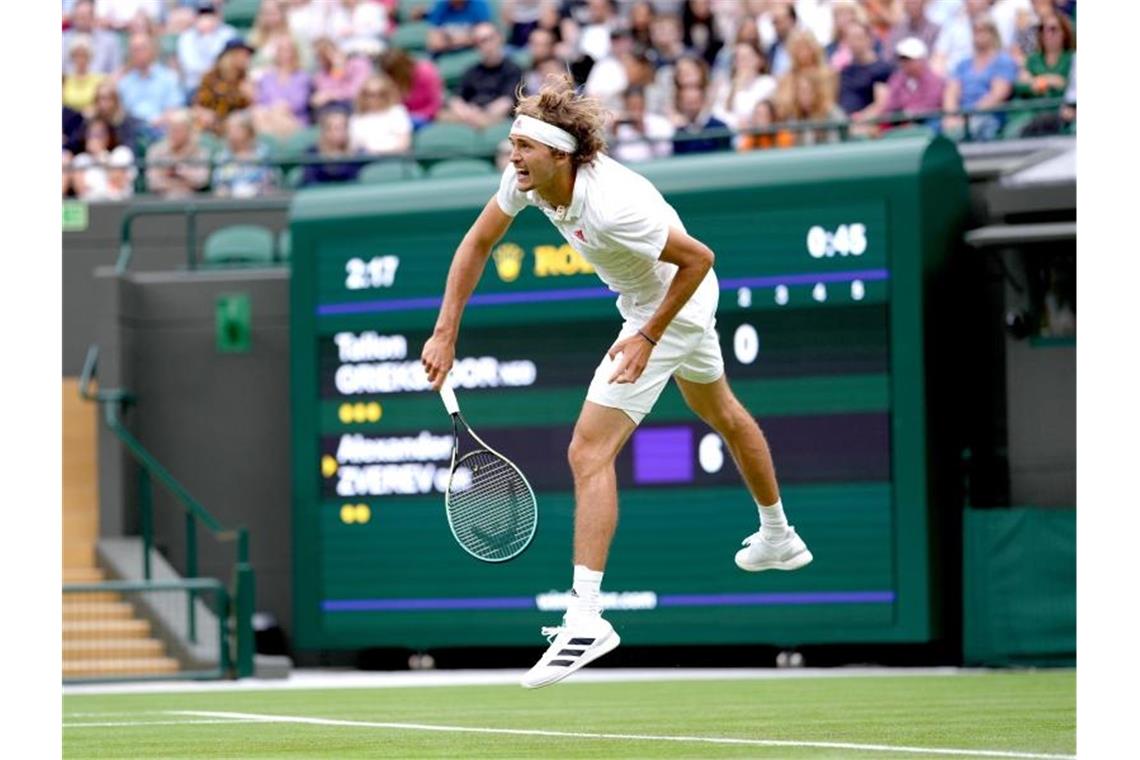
(588, 587)
(773, 524)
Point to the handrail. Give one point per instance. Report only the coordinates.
(150, 467)
(190, 209)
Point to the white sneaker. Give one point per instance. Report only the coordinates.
(580, 640)
(787, 553)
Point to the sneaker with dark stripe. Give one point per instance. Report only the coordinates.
(580, 640)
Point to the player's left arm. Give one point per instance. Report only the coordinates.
(693, 260)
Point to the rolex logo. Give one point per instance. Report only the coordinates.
(508, 261)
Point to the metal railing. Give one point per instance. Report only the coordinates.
(190, 209)
(241, 599)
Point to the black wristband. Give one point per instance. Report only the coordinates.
(642, 334)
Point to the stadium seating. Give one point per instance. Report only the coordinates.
(406, 9)
(443, 140)
(389, 171)
(411, 36)
(453, 66)
(487, 140)
(238, 244)
(461, 167)
(240, 13)
(284, 244)
(300, 141)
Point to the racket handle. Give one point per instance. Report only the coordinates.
(447, 393)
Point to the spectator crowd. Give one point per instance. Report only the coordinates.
(180, 97)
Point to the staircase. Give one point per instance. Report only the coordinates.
(102, 637)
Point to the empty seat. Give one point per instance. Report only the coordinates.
(238, 244)
(389, 171)
(240, 12)
(461, 167)
(284, 244)
(443, 140)
(411, 36)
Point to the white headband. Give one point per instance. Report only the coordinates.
(545, 133)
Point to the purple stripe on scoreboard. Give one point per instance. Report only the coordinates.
(663, 455)
(805, 278)
(580, 294)
(665, 600)
(803, 597)
(479, 299)
(409, 605)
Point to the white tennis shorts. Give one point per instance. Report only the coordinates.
(691, 353)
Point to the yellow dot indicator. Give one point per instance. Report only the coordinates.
(363, 513)
(359, 412)
(345, 413)
(374, 411)
(328, 466)
(348, 514)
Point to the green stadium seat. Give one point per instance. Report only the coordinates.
(380, 172)
(411, 10)
(443, 140)
(487, 140)
(168, 46)
(238, 244)
(411, 35)
(523, 59)
(284, 244)
(298, 142)
(453, 66)
(240, 12)
(211, 142)
(294, 176)
(461, 167)
(913, 130)
(1016, 122)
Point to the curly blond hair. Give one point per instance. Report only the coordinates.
(559, 104)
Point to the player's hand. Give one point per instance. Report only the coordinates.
(634, 352)
(437, 357)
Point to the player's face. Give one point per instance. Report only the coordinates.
(536, 165)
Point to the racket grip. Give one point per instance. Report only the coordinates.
(447, 393)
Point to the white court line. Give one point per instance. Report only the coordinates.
(327, 678)
(131, 723)
(625, 737)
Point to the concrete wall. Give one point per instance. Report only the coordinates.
(160, 245)
(217, 421)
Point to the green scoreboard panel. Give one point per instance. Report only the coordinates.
(822, 257)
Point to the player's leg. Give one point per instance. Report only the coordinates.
(776, 546)
(608, 418)
(585, 635)
(717, 405)
(599, 436)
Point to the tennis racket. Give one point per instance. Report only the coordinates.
(490, 506)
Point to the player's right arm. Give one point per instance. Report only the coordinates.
(466, 268)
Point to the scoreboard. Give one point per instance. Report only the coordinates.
(822, 256)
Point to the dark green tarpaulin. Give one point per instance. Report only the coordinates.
(1020, 586)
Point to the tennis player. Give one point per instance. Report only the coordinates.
(667, 298)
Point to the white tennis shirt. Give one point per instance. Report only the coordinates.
(619, 222)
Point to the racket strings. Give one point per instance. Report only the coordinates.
(492, 513)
